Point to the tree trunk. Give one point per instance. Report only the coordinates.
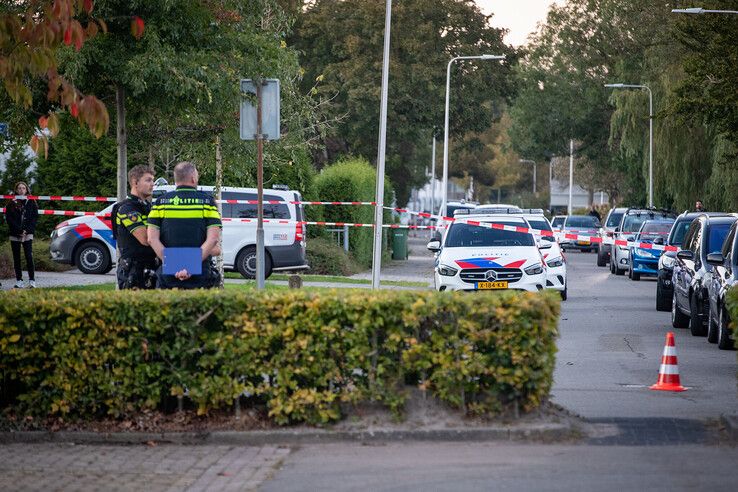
(219, 197)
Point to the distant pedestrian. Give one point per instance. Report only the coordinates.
(594, 213)
(186, 218)
(22, 215)
(698, 206)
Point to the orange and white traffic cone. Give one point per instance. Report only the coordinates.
(669, 370)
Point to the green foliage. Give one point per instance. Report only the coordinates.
(89, 354)
(353, 179)
(343, 46)
(17, 167)
(325, 257)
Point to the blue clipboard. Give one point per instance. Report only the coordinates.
(176, 259)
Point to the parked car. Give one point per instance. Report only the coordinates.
(582, 225)
(607, 231)
(691, 301)
(645, 261)
(632, 220)
(723, 277)
(470, 257)
(87, 242)
(554, 257)
(664, 286)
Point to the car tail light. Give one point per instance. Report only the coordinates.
(63, 224)
(299, 235)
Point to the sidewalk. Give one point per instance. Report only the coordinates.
(417, 268)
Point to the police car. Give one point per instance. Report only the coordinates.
(87, 242)
(471, 257)
(554, 257)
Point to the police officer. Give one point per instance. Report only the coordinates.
(186, 218)
(137, 265)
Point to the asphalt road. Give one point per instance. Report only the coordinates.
(612, 339)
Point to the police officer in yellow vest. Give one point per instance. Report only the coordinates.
(186, 218)
(137, 263)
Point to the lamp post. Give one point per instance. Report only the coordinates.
(698, 10)
(650, 132)
(523, 161)
(442, 210)
(379, 199)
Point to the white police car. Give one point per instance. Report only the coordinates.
(554, 257)
(478, 257)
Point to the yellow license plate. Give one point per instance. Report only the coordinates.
(583, 243)
(491, 285)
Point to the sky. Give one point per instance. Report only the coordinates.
(519, 16)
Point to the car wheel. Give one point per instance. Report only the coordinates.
(696, 327)
(93, 258)
(586, 250)
(635, 275)
(601, 258)
(619, 271)
(712, 328)
(246, 263)
(663, 303)
(724, 342)
(678, 319)
(564, 293)
(612, 264)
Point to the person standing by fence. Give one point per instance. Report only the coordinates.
(22, 215)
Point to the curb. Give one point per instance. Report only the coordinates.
(731, 425)
(534, 432)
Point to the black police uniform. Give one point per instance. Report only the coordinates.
(183, 217)
(137, 265)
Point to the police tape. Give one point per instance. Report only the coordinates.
(329, 224)
(68, 213)
(74, 198)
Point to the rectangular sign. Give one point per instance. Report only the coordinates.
(4, 129)
(269, 110)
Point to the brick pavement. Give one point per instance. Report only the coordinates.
(60, 467)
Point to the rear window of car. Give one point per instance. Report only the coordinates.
(462, 235)
(656, 229)
(249, 210)
(679, 231)
(539, 224)
(717, 235)
(558, 221)
(614, 219)
(583, 221)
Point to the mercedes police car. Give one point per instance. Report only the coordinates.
(473, 257)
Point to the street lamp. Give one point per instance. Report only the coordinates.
(523, 161)
(698, 10)
(442, 210)
(650, 132)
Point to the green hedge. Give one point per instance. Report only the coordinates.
(353, 179)
(325, 257)
(90, 354)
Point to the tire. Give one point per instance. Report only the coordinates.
(93, 258)
(663, 303)
(586, 250)
(724, 342)
(564, 293)
(634, 275)
(619, 271)
(601, 258)
(712, 328)
(696, 327)
(612, 264)
(246, 263)
(678, 319)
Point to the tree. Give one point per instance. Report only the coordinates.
(342, 46)
(18, 166)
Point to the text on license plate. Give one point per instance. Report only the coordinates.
(491, 285)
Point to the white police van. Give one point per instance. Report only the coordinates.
(472, 257)
(87, 242)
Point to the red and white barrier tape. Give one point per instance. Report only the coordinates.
(73, 198)
(68, 213)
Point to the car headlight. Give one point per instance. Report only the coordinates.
(447, 271)
(644, 253)
(666, 261)
(63, 230)
(555, 262)
(534, 269)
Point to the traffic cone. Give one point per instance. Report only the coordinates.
(669, 370)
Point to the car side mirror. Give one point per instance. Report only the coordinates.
(434, 245)
(685, 254)
(659, 240)
(715, 259)
(544, 245)
(630, 238)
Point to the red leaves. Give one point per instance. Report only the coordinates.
(43, 122)
(74, 110)
(68, 36)
(137, 27)
(88, 5)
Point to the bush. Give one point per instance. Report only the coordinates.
(87, 354)
(353, 179)
(41, 259)
(325, 257)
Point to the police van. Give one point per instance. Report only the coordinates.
(87, 242)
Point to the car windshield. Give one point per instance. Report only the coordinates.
(582, 222)
(718, 232)
(539, 224)
(462, 235)
(679, 231)
(558, 222)
(614, 219)
(652, 230)
(633, 222)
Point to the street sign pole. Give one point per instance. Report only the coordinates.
(259, 191)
